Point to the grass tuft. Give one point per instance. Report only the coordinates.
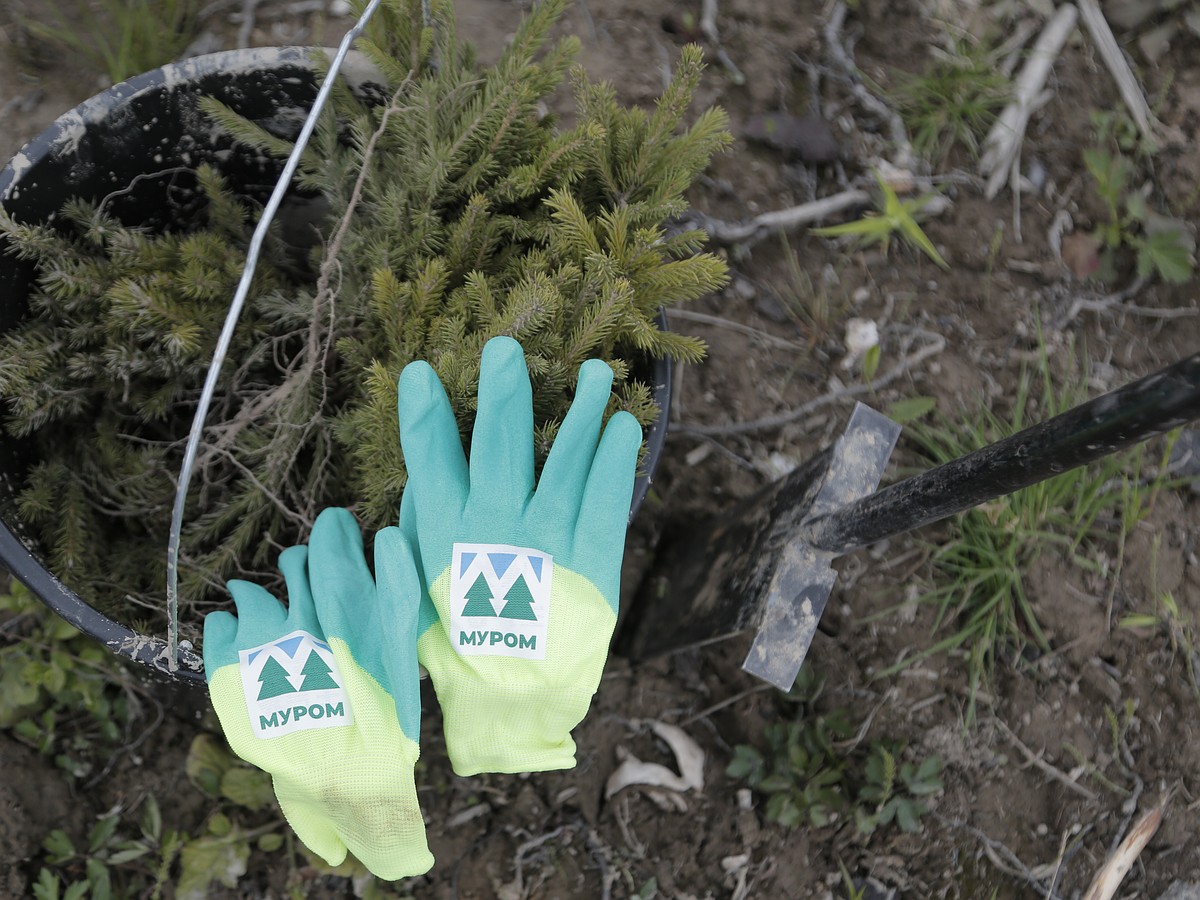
(120, 38)
(954, 101)
(979, 588)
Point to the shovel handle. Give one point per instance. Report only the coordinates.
(1091, 431)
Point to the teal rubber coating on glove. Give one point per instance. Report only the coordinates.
(525, 582)
(322, 695)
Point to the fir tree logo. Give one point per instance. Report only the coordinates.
(500, 600)
(293, 683)
(317, 674)
(519, 602)
(273, 680)
(479, 599)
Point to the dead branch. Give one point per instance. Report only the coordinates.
(1118, 66)
(936, 343)
(843, 61)
(778, 220)
(1003, 858)
(249, 21)
(687, 315)
(708, 25)
(1002, 146)
(1104, 886)
(1036, 760)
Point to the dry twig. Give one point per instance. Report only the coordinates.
(1003, 858)
(708, 25)
(1104, 886)
(936, 343)
(843, 61)
(1110, 52)
(1002, 146)
(1037, 761)
(778, 220)
(687, 315)
(249, 21)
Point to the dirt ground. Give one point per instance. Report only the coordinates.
(1019, 807)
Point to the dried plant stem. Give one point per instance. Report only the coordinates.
(1002, 146)
(1037, 761)
(936, 343)
(843, 61)
(1104, 886)
(780, 220)
(1110, 52)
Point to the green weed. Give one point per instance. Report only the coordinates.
(896, 217)
(1160, 244)
(1167, 618)
(852, 892)
(892, 793)
(807, 780)
(808, 303)
(60, 692)
(120, 38)
(954, 101)
(119, 858)
(979, 587)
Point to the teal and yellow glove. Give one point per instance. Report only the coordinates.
(300, 693)
(523, 584)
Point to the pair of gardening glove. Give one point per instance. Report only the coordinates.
(508, 596)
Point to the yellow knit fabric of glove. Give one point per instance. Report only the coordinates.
(506, 714)
(341, 787)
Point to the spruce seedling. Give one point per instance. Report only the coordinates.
(896, 217)
(457, 211)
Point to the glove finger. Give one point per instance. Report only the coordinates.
(408, 524)
(604, 512)
(433, 452)
(402, 604)
(301, 614)
(428, 613)
(341, 582)
(220, 641)
(502, 439)
(261, 616)
(560, 488)
(314, 831)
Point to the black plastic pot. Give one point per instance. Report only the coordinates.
(135, 146)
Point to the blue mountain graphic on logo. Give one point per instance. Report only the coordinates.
(291, 644)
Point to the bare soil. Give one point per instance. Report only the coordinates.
(1038, 785)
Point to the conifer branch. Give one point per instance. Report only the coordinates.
(450, 209)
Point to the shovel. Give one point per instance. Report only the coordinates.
(765, 565)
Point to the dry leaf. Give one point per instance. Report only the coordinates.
(689, 757)
(1104, 886)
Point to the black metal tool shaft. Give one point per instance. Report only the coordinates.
(1091, 431)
